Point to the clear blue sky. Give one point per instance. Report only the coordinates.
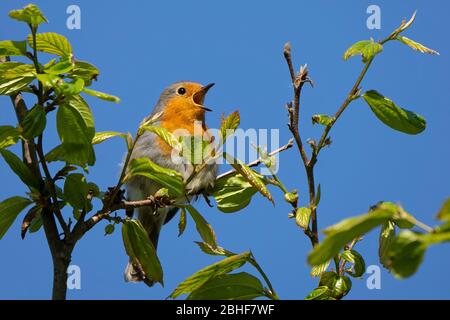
(142, 46)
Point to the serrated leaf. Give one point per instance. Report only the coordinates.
(101, 95)
(368, 49)
(168, 178)
(29, 14)
(199, 278)
(417, 46)
(20, 169)
(51, 42)
(229, 124)
(13, 48)
(204, 229)
(237, 286)
(9, 210)
(8, 136)
(105, 135)
(251, 176)
(34, 122)
(141, 250)
(393, 116)
(302, 216)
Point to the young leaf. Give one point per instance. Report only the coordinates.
(65, 65)
(237, 286)
(80, 105)
(233, 193)
(302, 216)
(14, 76)
(167, 178)
(109, 229)
(165, 135)
(229, 124)
(76, 190)
(368, 49)
(317, 270)
(353, 257)
(444, 213)
(13, 48)
(203, 227)
(105, 135)
(417, 46)
(217, 251)
(34, 122)
(251, 176)
(101, 95)
(8, 136)
(387, 235)
(29, 14)
(141, 250)
(343, 232)
(20, 169)
(84, 70)
(51, 42)
(225, 266)
(322, 119)
(393, 116)
(182, 222)
(9, 210)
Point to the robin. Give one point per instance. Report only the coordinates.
(182, 108)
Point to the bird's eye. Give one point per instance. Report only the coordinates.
(181, 91)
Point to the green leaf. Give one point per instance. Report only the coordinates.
(417, 46)
(141, 250)
(345, 231)
(196, 149)
(20, 169)
(13, 48)
(167, 178)
(51, 42)
(65, 65)
(76, 190)
(203, 227)
(387, 235)
(199, 278)
(109, 229)
(14, 76)
(443, 214)
(251, 176)
(32, 216)
(302, 216)
(29, 14)
(320, 293)
(407, 251)
(217, 251)
(339, 285)
(368, 49)
(72, 153)
(84, 70)
(8, 136)
(80, 105)
(238, 286)
(317, 270)
(36, 224)
(233, 193)
(229, 125)
(393, 116)
(9, 210)
(101, 95)
(105, 135)
(354, 258)
(165, 135)
(182, 222)
(322, 119)
(34, 122)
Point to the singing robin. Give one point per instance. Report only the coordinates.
(182, 107)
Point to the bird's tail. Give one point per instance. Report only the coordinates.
(152, 224)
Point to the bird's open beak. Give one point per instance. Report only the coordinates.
(199, 96)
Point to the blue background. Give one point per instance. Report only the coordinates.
(142, 46)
